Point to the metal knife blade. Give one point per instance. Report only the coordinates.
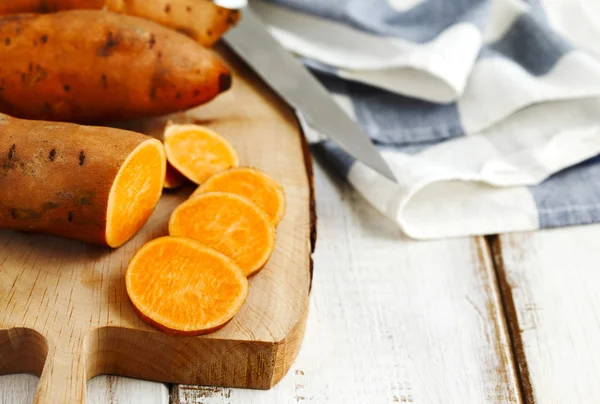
(290, 79)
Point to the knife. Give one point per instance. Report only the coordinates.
(296, 85)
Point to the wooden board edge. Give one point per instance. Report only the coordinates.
(287, 349)
(23, 350)
(283, 352)
(308, 164)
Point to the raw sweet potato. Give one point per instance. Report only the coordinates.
(200, 19)
(228, 223)
(94, 184)
(197, 152)
(91, 66)
(181, 286)
(251, 183)
(173, 178)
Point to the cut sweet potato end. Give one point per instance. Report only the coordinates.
(253, 184)
(198, 152)
(173, 178)
(135, 192)
(181, 286)
(228, 223)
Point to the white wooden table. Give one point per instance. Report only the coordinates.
(504, 319)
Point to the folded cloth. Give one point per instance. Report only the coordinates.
(488, 111)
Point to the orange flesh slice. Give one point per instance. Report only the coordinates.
(197, 152)
(253, 184)
(228, 223)
(181, 286)
(173, 178)
(135, 192)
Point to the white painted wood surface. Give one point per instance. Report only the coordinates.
(17, 389)
(554, 279)
(392, 320)
(122, 390)
(20, 389)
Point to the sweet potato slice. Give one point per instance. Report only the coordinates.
(94, 184)
(228, 223)
(173, 178)
(181, 286)
(198, 152)
(202, 20)
(253, 184)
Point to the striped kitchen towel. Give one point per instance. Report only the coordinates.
(488, 111)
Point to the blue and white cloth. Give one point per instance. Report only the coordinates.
(488, 111)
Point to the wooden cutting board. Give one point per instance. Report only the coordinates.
(64, 312)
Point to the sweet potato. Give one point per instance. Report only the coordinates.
(197, 152)
(251, 183)
(200, 19)
(228, 223)
(93, 66)
(95, 184)
(173, 178)
(181, 286)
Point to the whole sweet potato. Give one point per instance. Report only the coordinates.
(200, 19)
(92, 66)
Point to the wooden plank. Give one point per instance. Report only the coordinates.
(20, 389)
(550, 282)
(123, 390)
(391, 320)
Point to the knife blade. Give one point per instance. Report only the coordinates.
(287, 76)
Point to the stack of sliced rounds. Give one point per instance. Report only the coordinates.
(194, 281)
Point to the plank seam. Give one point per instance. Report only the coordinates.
(173, 393)
(509, 313)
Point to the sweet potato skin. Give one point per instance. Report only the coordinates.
(172, 331)
(92, 66)
(56, 177)
(202, 20)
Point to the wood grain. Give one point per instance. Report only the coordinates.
(551, 279)
(392, 320)
(65, 311)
